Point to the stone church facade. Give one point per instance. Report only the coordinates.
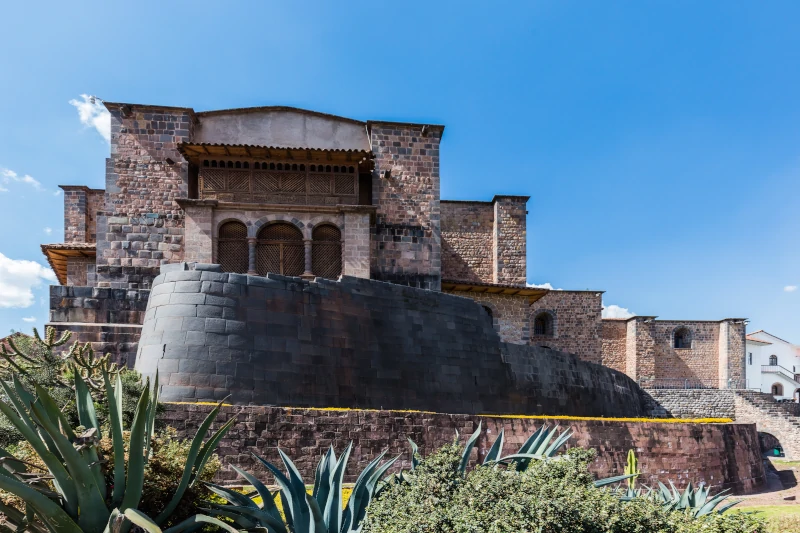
(299, 193)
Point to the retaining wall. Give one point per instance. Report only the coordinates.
(355, 343)
(721, 455)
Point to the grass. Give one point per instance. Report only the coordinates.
(771, 511)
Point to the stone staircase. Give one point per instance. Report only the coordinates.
(782, 420)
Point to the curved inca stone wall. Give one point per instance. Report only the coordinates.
(355, 343)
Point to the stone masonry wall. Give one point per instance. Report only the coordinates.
(510, 237)
(90, 305)
(468, 241)
(510, 314)
(691, 403)
(78, 270)
(81, 205)
(355, 343)
(700, 362)
(142, 225)
(614, 344)
(721, 455)
(406, 237)
(576, 321)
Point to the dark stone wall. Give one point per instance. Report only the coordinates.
(721, 455)
(356, 343)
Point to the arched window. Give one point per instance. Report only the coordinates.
(682, 338)
(773, 360)
(777, 389)
(326, 251)
(543, 324)
(232, 251)
(279, 249)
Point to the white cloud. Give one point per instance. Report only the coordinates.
(48, 230)
(18, 278)
(8, 176)
(615, 311)
(93, 113)
(547, 286)
(790, 288)
(29, 319)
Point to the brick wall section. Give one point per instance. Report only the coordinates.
(89, 305)
(510, 235)
(614, 344)
(698, 362)
(356, 343)
(119, 340)
(468, 241)
(357, 247)
(510, 314)
(577, 323)
(81, 205)
(697, 403)
(78, 270)
(142, 225)
(721, 455)
(406, 238)
(199, 221)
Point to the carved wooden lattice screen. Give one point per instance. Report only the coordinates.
(232, 249)
(326, 252)
(278, 183)
(280, 250)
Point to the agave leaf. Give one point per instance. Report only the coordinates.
(268, 504)
(359, 509)
(325, 467)
(88, 419)
(547, 436)
(50, 512)
(287, 499)
(728, 506)
(142, 520)
(64, 483)
(135, 479)
(235, 498)
(462, 468)
(496, 450)
(197, 521)
(151, 417)
(332, 514)
(301, 513)
(684, 502)
(531, 443)
(317, 522)
(414, 454)
(611, 480)
(236, 516)
(114, 399)
(558, 443)
(53, 412)
(357, 494)
(89, 493)
(208, 448)
(192, 463)
(665, 493)
(261, 517)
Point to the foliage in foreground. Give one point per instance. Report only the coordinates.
(319, 512)
(550, 496)
(76, 496)
(37, 360)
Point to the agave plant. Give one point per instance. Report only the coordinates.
(79, 499)
(318, 512)
(693, 501)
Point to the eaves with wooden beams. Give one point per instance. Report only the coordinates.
(197, 152)
(531, 293)
(58, 254)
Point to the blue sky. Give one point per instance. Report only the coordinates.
(659, 141)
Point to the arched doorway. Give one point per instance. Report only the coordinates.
(280, 250)
(777, 389)
(326, 251)
(232, 249)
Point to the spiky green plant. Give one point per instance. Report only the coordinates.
(79, 499)
(318, 512)
(693, 501)
(632, 469)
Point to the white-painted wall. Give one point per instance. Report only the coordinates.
(758, 355)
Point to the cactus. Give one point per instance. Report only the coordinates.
(632, 469)
(77, 500)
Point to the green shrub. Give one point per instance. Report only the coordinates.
(551, 496)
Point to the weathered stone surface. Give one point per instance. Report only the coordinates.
(721, 455)
(362, 343)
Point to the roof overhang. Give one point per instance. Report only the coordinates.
(196, 152)
(58, 255)
(532, 294)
